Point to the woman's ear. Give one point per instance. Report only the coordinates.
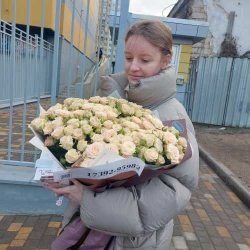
(165, 61)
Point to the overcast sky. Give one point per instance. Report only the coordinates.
(151, 7)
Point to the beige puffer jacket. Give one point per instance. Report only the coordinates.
(141, 217)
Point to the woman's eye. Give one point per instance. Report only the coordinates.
(128, 58)
(145, 61)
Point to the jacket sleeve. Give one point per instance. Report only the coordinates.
(137, 210)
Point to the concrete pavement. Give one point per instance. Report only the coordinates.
(215, 219)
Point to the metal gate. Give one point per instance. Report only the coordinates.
(51, 49)
(219, 92)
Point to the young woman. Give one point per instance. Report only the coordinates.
(141, 217)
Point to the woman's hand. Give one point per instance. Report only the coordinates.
(72, 192)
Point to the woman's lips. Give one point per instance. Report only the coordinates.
(135, 77)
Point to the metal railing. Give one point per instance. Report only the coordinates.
(27, 55)
(32, 69)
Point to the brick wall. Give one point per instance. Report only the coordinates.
(196, 10)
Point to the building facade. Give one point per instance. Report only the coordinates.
(228, 20)
(65, 31)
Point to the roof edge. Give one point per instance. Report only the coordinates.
(179, 5)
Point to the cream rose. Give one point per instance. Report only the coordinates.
(68, 101)
(58, 133)
(158, 145)
(160, 160)
(47, 130)
(87, 129)
(104, 100)
(98, 108)
(95, 122)
(108, 108)
(169, 138)
(112, 147)
(174, 130)
(127, 138)
(58, 122)
(79, 113)
(74, 123)
(88, 106)
(128, 148)
(147, 124)
(38, 124)
(117, 127)
(49, 141)
(127, 109)
(94, 149)
(108, 124)
(69, 130)
(111, 133)
(77, 133)
(95, 99)
(72, 156)
(157, 123)
(77, 104)
(149, 139)
(136, 137)
(173, 154)
(63, 113)
(116, 142)
(183, 142)
(84, 122)
(159, 134)
(101, 114)
(82, 145)
(66, 142)
(138, 113)
(97, 137)
(131, 125)
(86, 163)
(111, 115)
(136, 120)
(151, 155)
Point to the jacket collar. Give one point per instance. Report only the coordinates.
(152, 91)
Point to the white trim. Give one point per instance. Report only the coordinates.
(177, 56)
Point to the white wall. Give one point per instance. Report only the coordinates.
(218, 14)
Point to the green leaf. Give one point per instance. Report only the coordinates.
(121, 132)
(63, 161)
(119, 106)
(137, 150)
(164, 129)
(143, 142)
(98, 131)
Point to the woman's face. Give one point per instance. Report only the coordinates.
(142, 59)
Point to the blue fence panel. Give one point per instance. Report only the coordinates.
(238, 108)
(222, 92)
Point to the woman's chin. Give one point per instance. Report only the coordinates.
(134, 81)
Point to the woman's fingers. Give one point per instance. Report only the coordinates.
(76, 182)
(61, 191)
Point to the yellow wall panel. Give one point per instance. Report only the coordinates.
(186, 48)
(66, 19)
(91, 7)
(183, 68)
(6, 10)
(35, 12)
(78, 40)
(185, 58)
(185, 75)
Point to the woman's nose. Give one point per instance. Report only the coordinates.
(134, 66)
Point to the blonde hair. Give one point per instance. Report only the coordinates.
(155, 32)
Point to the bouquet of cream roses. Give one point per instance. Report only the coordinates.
(79, 129)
